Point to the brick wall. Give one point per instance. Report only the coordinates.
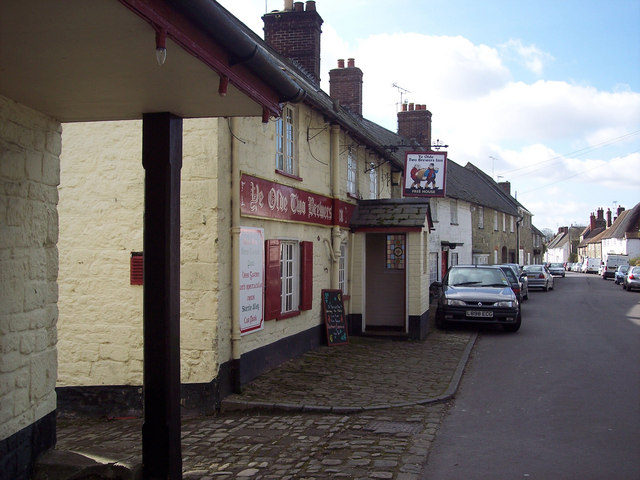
(346, 86)
(29, 175)
(414, 123)
(296, 35)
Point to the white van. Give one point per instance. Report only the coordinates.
(590, 265)
(611, 264)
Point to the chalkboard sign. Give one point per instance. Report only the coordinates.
(334, 319)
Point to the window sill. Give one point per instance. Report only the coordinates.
(284, 316)
(353, 195)
(288, 175)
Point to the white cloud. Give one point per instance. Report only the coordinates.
(529, 56)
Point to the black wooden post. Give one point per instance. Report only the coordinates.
(162, 161)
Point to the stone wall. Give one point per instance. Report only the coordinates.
(29, 174)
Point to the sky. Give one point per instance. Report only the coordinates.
(543, 94)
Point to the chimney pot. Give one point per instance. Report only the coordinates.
(351, 62)
(411, 107)
(311, 6)
(404, 107)
(298, 6)
(341, 63)
(288, 5)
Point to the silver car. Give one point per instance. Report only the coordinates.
(632, 279)
(539, 277)
(556, 269)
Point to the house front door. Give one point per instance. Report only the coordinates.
(385, 282)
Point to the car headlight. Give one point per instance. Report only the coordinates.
(504, 304)
(456, 303)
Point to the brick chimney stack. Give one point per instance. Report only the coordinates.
(345, 85)
(414, 123)
(506, 187)
(295, 33)
(592, 222)
(609, 223)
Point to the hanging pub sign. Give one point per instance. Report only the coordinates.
(425, 174)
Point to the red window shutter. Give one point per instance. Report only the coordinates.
(306, 275)
(273, 287)
(136, 268)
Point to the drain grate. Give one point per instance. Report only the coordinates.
(394, 427)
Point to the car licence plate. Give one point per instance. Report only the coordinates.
(479, 313)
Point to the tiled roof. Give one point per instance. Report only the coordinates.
(409, 213)
(627, 221)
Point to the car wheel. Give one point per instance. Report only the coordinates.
(513, 327)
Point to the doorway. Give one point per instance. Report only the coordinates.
(385, 282)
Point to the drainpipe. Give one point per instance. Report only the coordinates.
(235, 259)
(336, 234)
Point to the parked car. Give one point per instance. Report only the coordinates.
(577, 267)
(620, 273)
(478, 294)
(556, 269)
(539, 277)
(515, 281)
(632, 279)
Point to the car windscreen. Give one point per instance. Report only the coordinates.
(476, 277)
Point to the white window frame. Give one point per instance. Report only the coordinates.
(433, 204)
(480, 216)
(289, 276)
(352, 173)
(453, 257)
(453, 210)
(373, 182)
(512, 223)
(286, 157)
(495, 220)
(504, 222)
(342, 268)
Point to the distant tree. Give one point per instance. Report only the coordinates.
(548, 234)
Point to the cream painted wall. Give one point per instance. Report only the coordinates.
(29, 175)
(101, 215)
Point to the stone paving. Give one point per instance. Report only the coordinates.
(366, 410)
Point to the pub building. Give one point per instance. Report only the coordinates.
(274, 211)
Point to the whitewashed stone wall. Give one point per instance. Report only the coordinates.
(29, 175)
(101, 222)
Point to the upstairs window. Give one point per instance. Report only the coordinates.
(352, 174)
(373, 182)
(342, 269)
(286, 161)
(495, 220)
(454, 211)
(480, 217)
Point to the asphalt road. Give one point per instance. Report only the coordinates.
(560, 399)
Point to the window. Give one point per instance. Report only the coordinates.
(351, 174)
(395, 252)
(454, 211)
(480, 217)
(433, 206)
(373, 182)
(480, 258)
(454, 258)
(285, 143)
(504, 222)
(495, 220)
(511, 221)
(342, 269)
(288, 278)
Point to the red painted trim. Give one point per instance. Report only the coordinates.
(162, 16)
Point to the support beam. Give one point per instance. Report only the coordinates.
(162, 161)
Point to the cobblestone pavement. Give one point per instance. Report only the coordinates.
(366, 410)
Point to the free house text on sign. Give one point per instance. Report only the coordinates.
(251, 279)
(425, 174)
(262, 198)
